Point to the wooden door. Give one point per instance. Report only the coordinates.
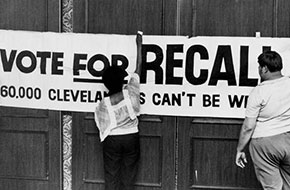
(206, 155)
(30, 151)
(157, 171)
(157, 164)
(207, 146)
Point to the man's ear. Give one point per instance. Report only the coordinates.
(265, 69)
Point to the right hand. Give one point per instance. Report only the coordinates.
(241, 159)
(139, 39)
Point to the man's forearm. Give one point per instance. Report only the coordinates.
(245, 137)
(246, 133)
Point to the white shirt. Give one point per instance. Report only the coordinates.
(269, 102)
(121, 118)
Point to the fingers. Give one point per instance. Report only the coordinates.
(241, 164)
(241, 159)
(139, 37)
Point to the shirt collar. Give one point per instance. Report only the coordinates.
(274, 80)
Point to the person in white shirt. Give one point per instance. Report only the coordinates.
(116, 119)
(267, 125)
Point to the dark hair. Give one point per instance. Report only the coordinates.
(113, 79)
(272, 60)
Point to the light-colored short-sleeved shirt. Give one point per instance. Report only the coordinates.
(269, 102)
(120, 118)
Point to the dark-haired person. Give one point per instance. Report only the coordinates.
(116, 118)
(267, 125)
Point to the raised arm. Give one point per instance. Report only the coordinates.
(139, 53)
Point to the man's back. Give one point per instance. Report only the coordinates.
(271, 101)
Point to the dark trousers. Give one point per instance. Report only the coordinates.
(121, 155)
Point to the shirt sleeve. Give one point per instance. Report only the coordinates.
(133, 88)
(134, 81)
(102, 117)
(254, 104)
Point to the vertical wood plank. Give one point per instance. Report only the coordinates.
(230, 18)
(42, 15)
(283, 18)
(150, 16)
(35, 134)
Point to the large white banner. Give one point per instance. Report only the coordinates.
(181, 76)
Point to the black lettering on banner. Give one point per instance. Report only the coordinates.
(37, 93)
(77, 65)
(223, 53)
(7, 63)
(90, 97)
(156, 99)
(75, 95)
(21, 66)
(52, 94)
(142, 98)
(83, 96)
(20, 92)
(98, 96)
(171, 63)
(56, 63)
(244, 68)
(43, 60)
(236, 101)
(93, 60)
(26, 61)
(190, 97)
(91, 67)
(66, 95)
(155, 65)
(166, 99)
(211, 100)
(176, 99)
(29, 93)
(120, 58)
(190, 65)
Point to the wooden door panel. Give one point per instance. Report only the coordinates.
(87, 158)
(40, 15)
(157, 165)
(234, 18)
(282, 18)
(22, 149)
(151, 16)
(157, 154)
(207, 149)
(29, 146)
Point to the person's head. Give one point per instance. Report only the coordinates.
(113, 79)
(269, 62)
